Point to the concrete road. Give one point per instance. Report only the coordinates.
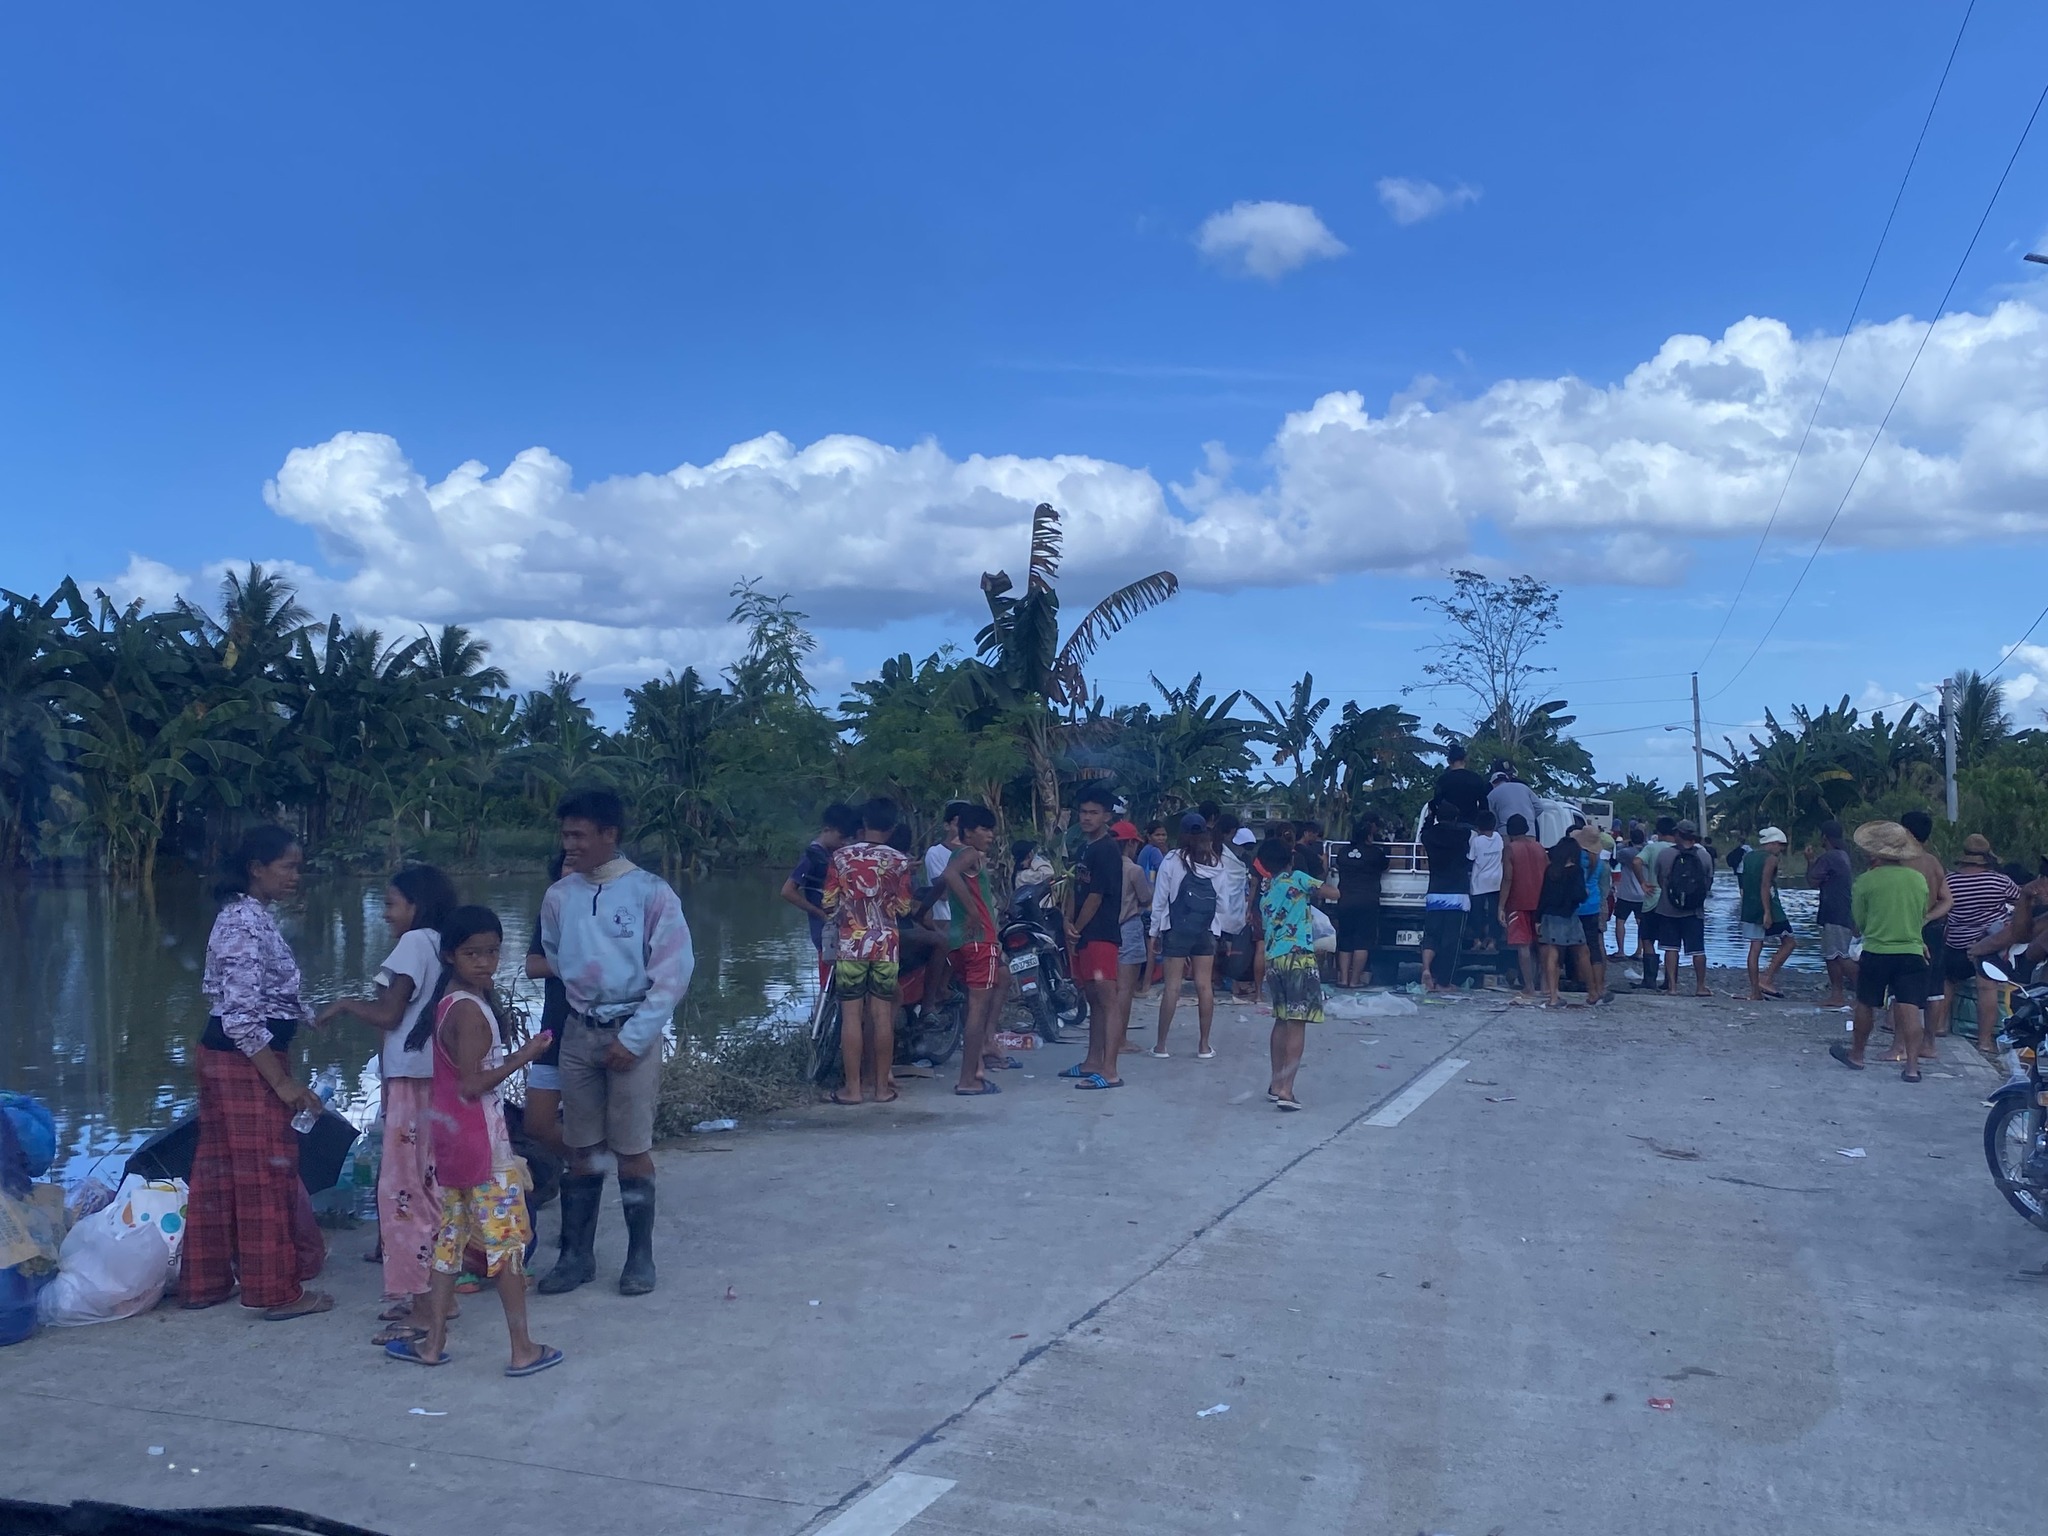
(1007, 1314)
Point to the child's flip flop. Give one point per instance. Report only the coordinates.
(975, 1093)
(549, 1356)
(1096, 1080)
(408, 1351)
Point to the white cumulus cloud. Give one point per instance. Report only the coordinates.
(1266, 240)
(1575, 480)
(1409, 200)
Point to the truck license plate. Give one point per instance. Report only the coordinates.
(1408, 938)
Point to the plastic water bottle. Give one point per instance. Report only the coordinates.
(324, 1086)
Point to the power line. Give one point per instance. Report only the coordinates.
(2014, 647)
(1885, 420)
(1854, 310)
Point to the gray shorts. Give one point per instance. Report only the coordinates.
(1564, 932)
(1836, 941)
(1131, 949)
(603, 1106)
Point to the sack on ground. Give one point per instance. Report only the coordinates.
(118, 1261)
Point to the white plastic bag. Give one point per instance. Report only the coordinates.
(117, 1261)
(1366, 1005)
(1324, 930)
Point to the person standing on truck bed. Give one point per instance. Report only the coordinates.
(1460, 785)
(1448, 843)
(1509, 796)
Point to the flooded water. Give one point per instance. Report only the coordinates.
(100, 1007)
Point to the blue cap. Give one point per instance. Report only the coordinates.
(1192, 822)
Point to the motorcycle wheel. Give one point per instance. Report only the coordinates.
(2008, 1140)
(1071, 1004)
(825, 1024)
(941, 1036)
(1044, 1022)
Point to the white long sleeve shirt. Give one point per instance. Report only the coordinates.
(1172, 872)
(1233, 881)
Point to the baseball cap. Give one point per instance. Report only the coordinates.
(1193, 822)
(1771, 835)
(1124, 832)
(1245, 837)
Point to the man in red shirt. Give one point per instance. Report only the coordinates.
(1521, 888)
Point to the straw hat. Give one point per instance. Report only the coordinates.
(1886, 840)
(1977, 850)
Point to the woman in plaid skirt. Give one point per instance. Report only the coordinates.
(248, 1219)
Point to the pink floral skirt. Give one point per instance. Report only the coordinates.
(408, 1203)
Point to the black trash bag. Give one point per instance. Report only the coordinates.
(322, 1150)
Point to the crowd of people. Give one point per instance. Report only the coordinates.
(1203, 899)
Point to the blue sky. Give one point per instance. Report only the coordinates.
(635, 239)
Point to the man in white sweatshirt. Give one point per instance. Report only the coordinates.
(615, 935)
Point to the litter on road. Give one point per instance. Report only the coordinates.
(1208, 1413)
(1661, 1404)
(1849, 1152)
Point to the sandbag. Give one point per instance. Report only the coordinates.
(118, 1261)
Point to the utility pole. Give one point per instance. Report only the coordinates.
(1699, 761)
(1948, 743)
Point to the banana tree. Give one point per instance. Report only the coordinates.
(1291, 724)
(1022, 667)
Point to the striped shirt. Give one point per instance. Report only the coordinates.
(1981, 897)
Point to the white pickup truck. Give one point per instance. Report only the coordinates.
(1406, 882)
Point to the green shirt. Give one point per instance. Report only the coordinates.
(1890, 904)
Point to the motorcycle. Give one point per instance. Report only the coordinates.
(925, 1031)
(2016, 1131)
(1029, 943)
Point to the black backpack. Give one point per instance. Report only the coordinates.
(1686, 883)
(1564, 886)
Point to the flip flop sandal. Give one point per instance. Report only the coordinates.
(311, 1304)
(1007, 1064)
(406, 1351)
(1287, 1104)
(396, 1332)
(1910, 1075)
(1095, 1080)
(549, 1356)
(1074, 1071)
(469, 1284)
(975, 1093)
(1205, 1055)
(396, 1312)
(833, 1098)
(1164, 1055)
(1776, 997)
(1841, 1053)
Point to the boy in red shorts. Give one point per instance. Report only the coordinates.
(971, 942)
(1096, 935)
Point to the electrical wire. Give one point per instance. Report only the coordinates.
(1849, 325)
(2012, 649)
(1885, 420)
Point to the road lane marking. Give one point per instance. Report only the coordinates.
(1410, 1099)
(890, 1507)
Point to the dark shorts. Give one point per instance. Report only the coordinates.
(1956, 964)
(1443, 933)
(1594, 928)
(1902, 977)
(1180, 944)
(1935, 937)
(1649, 926)
(1686, 933)
(1357, 927)
(1632, 909)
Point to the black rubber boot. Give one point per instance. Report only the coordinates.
(577, 1264)
(636, 1198)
